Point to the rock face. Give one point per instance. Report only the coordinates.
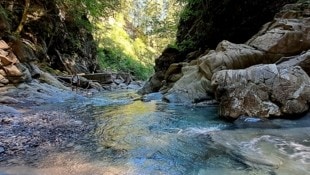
(11, 69)
(49, 37)
(302, 60)
(262, 90)
(279, 87)
(287, 34)
(192, 87)
(53, 35)
(204, 24)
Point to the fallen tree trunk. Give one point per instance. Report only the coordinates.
(83, 82)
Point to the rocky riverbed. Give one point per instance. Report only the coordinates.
(46, 130)
(35, 123)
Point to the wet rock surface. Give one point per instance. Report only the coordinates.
(262, 90)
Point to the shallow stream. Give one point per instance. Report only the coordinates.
(155, 137)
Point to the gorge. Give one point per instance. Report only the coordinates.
(230, 96)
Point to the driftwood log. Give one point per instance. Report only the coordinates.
(88, 81)
(83, 83)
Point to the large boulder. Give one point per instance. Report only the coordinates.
(163, 62)
(11, 69)
(17, 64)
(195, 84)
(204, 24)
(302, 60)
(279, 40)
(228, 55)
(22, 55)
(287, 34)
(192, 87)
(262, 91)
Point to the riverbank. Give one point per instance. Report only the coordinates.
(35, 123)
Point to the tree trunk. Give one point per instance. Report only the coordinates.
(24, 17)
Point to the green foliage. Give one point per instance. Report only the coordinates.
(80, 11)
(191, 19)
(94, 8)
(131, 38)
(120, 52)
(173, 46)
(130, 34)
(186, 45)
(3, 12)
(114, 59)
(5, 16)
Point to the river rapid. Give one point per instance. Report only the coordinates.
(153, 137)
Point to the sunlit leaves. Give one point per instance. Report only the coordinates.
(135, 34)
(94, 8)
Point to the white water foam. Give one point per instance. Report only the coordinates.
(200, 130)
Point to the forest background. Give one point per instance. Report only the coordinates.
(130, 34)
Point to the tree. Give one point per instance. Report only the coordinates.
(24, 17)
(138, 31)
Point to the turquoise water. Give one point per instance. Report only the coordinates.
(133, 137)
(161, 138)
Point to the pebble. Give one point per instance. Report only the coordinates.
(8, 100)
(99, 150)
(77, 148)
(7, 109)
(14, 161)
(70, 145)
(1, 149)
(78, 122)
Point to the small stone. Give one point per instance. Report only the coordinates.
(8, 100)
(78, 147)
(7, 109)
(99, 150)
(3, 80)
(78, 122)
(70, 145)
(1, 149)
(4, 45)
(14, 161)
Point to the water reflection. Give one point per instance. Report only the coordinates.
(140, 138)
(158, 137)
(161, 138)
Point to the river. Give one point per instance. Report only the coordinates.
(135, 137)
